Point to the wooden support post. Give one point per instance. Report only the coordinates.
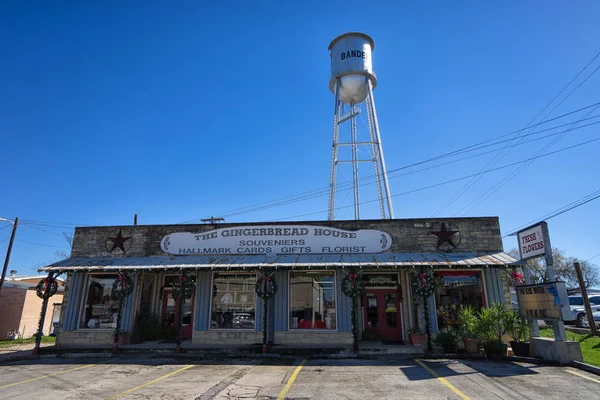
(586, 300)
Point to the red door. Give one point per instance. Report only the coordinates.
(170, 313)
(382, 313)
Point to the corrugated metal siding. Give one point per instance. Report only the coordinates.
(344, 305)
(203, 297)
(129, 307)
(259, 313)
(493, 283)
(280, 301)
(384, 260)
(73, 302)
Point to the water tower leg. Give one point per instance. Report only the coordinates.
(375, 152)
(386, 185)
(334, 153)
(355, 163)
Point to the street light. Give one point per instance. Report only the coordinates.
(10, 244)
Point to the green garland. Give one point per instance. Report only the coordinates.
(184, 285)
(424, 285)
(122, 286)
(47, 287)
(267, 292)
(352, 285)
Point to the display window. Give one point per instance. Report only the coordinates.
(312, 300)
(455, 289)
(100, 309)
(233, 301)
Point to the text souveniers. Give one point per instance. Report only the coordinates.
(277, 239)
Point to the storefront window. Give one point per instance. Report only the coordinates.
(101, 309)
(233, 302)
(312, 300)
(455, 289)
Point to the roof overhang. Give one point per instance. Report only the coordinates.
(383, 260)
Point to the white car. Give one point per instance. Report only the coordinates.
(596, 315)
(578, 309)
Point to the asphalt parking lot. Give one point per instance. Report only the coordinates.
(155, 378)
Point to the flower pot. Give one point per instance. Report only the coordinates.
(472, 346)
(417, 339)
(495, 348)
(521, 349)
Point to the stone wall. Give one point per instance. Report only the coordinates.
(296, 337)
(408, 235)
(227, 337)
(85, 338)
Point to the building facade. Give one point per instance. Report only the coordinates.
(307, 260)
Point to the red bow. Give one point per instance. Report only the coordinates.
(518, 278)
(265, 278)
(423, 279)
(123, 281)
(353, 277)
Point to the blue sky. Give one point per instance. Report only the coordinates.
(180, 112)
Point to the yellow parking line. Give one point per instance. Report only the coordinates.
(583, 376)
(288, 386)
(51, 375)
(444, 381)
(151, 382)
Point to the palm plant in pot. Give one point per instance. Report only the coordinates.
(518, 329)
(494, 325)
(470, 328)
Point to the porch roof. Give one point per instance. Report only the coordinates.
(383, 260)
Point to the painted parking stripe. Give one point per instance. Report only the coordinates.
(151, 382)
(55, 374)
(444, 381)
(583, 376)
(290, 382)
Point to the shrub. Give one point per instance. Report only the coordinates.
(448, 339)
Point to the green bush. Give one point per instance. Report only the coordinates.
(448, 339)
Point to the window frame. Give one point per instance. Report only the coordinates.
(289, 305)
(212, 286)
(83, 301)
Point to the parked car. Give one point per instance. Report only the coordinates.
(578, 309)
(596, 315)
(243, 320)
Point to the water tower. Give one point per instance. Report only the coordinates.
(352, 82)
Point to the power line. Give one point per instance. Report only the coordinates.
(514, 173)
(577, 203)
(38, 244)
(502, 153)
(461, 178)
(325, 190)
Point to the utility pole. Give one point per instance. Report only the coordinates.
(10, 244)
(212, 220)
(586, 300)
(135, 219)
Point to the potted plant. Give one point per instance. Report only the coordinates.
(447, 337)
(470, 327)
(518, 329)
(493, 326)
(417, 337)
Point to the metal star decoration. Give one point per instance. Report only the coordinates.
(445, 235)
(118, 241)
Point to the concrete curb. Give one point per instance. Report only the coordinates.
(586, 367)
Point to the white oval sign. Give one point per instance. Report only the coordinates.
(277, 239)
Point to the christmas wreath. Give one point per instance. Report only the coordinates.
(184, 285)
(352, 285)
(265, 287)
(47, 287)
(423, 285)
(122, 286)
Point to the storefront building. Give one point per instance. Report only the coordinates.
(307, 260)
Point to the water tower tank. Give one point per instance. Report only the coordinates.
(351, 62)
